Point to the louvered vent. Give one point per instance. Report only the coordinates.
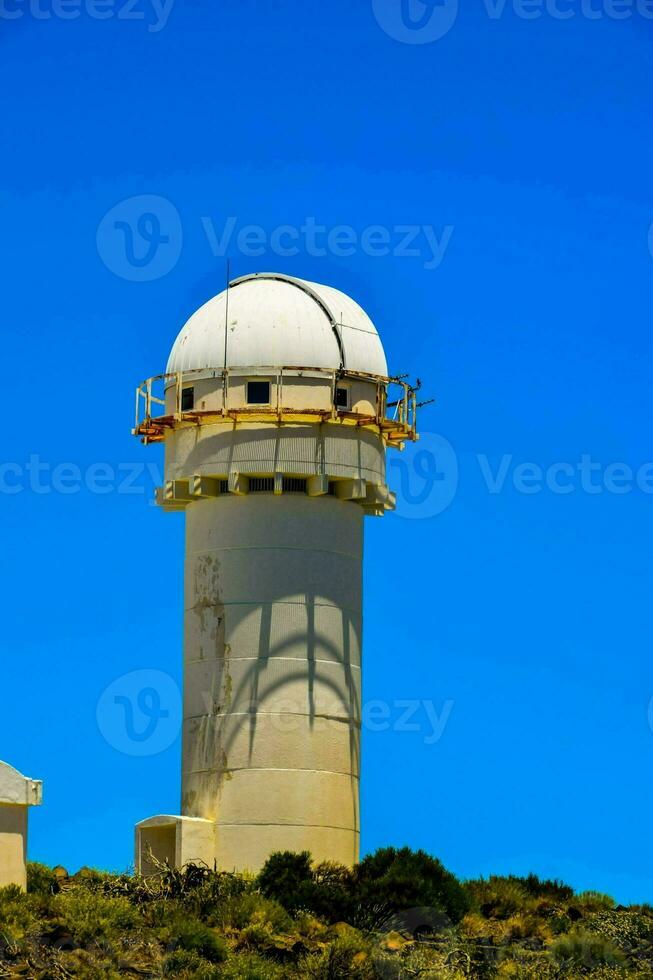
(294, 484)
(261, 484)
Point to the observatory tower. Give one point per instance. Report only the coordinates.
(275, 412)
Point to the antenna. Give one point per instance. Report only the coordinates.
(226, 312)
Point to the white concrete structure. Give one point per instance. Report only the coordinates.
(175, 840)
(275, 420)
(17, 793)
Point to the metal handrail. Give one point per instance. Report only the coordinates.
(403, 421)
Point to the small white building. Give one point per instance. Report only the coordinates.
(17, 793)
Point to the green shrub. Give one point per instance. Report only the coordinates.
(89, 916)
(286, 877)
(331, 896)
(251, 966)
(325, 890)
(595, 901)
(217, 889)
(402, 879)
(41, 879)
(550, 888)
(498, 897)
(521, 964)
(189, 934)
(383, 883)
(85, 965)
(16, 914)
(585, 951)
(189, 965)
(348, 956)
(241, 911)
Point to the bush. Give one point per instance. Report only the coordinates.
(332, 894)
(585, 950)
(251, 966)
(16, 916)
(286, 877)
(41, 879)
(498, 897)
(244, 910)
(189, 934)
(346, 957)
(325, 890)
(190, 966)
(550, 888)
(217, 889)
(401, 879)
(90, 916)
(595, 901)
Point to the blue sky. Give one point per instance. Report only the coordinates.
(521, 146)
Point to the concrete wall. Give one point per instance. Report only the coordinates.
(301, 450)
(13, 845)
(272, 672)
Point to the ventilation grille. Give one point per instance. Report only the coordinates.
(224, 486)
(293, 484)
(261, 484)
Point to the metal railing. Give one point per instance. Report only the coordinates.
(394, 395)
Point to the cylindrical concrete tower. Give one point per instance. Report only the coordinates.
(275, 419)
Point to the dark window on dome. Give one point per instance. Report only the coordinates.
(187, 399)
(258, 392)
(342, 398)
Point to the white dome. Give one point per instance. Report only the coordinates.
(277, 321)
